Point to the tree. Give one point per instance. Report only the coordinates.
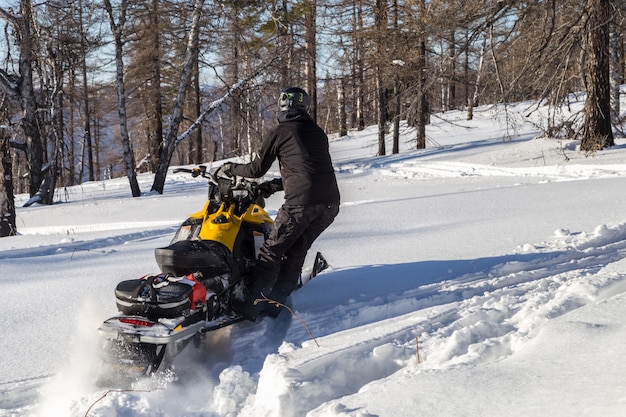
(341, 105)
(310, 50)
(21, 87)
(597, 132)
(118, 30)
(384, 60)
(169, 142)
(7, 200)
(381, 58)
(398, 64)
(52, 85)
(87, 111)
(422, 105)
(144, 76)
(614, 35)
(358, 66)
(196, 149)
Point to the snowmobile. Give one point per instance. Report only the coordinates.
(203, 269)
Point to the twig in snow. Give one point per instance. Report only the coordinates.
(116, 390)
(417, 350)
(276, 303)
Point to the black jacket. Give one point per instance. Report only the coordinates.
(301, 147)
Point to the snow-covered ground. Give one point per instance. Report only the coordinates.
(483, 276)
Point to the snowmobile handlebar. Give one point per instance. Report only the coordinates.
(199, 171)
(256, 189)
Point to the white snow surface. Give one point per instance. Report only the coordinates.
(482, 276)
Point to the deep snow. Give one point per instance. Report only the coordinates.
(498, 257)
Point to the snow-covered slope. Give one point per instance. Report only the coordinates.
(478, 277)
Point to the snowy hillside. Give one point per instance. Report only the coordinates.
(499, 264)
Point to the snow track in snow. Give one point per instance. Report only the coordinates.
(72, 245)
(71, 230)
(462, 321)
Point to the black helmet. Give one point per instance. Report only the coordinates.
(294, 98)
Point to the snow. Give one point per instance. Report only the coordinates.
(482, 276)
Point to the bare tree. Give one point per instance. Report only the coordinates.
(197, 149)
(118, 31)
(52, 85)
(422, 104)
(533, 50)
(472, 97)
(169, 141)
(21, 87)
(381, 58)
(7, 200)
(398, 63)
(147, 76)
(596, 131)
(310, 50)
(614, 35)
(358, 67)
(341, 106)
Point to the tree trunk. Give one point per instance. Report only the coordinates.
(22, 88)
(198, 147)
(7, 199)
(358, 70)
(395, 147)
(129, 157)
(86, 109)
(71, 158)
(614, 36)
(381, 95)
(234, 52)
(341, 107)
(596, 130)
(421, 81)
(48, 186)
(169, 141)
(450, 102)
(310, 47)
(155, 137)
(396, 117)
(472, 101)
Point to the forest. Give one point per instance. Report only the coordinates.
(91, 90)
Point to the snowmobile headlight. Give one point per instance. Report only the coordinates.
(190, 230)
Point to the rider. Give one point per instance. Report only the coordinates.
(311, 200)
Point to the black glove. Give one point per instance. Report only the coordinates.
(270, 187)
(198, 171)
(227, 169)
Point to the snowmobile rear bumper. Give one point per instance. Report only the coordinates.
(160, 333)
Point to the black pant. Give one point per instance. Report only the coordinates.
(281, 257)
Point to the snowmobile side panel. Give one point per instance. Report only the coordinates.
(257, 215)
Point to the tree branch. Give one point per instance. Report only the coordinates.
(217, 103)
